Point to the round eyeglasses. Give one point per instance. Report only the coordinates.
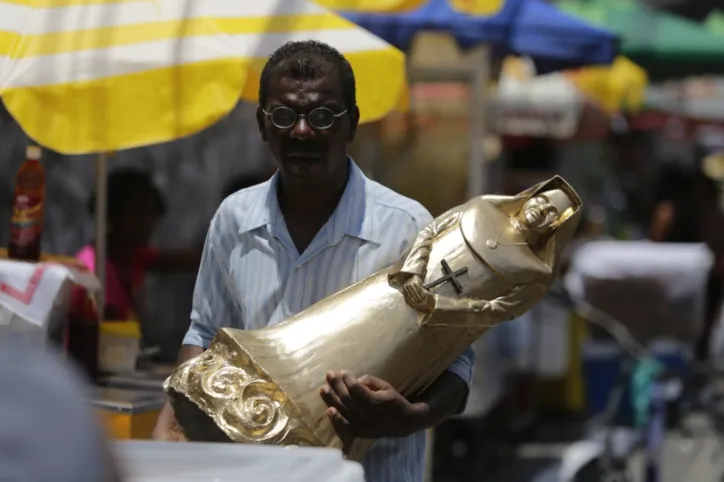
(320, 118)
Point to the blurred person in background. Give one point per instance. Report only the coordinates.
(135, 207)
(686, 210)
(242, 181)
(48, 432)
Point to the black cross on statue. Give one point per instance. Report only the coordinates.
(448, 275)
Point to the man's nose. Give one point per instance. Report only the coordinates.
(301, 130)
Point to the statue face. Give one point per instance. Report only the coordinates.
(538, 212)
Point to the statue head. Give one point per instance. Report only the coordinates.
(545, 216)
(546, 210)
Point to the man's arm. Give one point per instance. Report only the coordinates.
(166, 426)
(213, 308)
(368, 407)
(447, 395)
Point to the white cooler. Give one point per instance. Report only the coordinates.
(656, 289)
(150, 461)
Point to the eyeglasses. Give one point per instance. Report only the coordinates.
(321, 118)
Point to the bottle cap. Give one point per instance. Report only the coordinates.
(33, 153)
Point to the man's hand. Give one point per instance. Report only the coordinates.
(167, 427)
(169, 433)
(368, 407)
(417, 296)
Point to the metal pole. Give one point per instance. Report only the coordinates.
(477, 179)
(101, 227)
(429, 454)
(655, 433)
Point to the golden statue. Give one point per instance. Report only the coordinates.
(475, 266)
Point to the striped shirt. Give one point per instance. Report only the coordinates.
(252, 276)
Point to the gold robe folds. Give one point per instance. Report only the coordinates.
(487, 261)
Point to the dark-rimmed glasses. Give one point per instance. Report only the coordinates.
(320, 118)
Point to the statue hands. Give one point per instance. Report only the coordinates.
(417, 296)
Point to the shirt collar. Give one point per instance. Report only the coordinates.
(354, 215)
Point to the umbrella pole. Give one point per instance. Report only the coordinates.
(101, 228)
(478, 182)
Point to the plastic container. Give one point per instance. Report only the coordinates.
(602, 366)
(603, 362)
(119, 345)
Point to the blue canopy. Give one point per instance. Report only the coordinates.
(531, 28)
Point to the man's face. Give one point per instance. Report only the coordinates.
(304, 154)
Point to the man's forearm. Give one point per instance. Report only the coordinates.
(441, 399)
(166, 419)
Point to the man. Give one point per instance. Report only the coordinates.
(316, 227)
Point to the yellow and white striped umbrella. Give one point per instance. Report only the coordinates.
(83, 76)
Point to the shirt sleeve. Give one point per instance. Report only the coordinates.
(463, 366)
(213, 305)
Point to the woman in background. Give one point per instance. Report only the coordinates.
(135, 207)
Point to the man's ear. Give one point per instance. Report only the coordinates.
(353, 123)
(261, 123)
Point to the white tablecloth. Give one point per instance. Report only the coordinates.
(33, 296)
(649, 286)
(146, 461)
(682, 268)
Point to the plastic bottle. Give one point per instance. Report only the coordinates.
(26, 225)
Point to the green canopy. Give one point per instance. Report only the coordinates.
(665, 45)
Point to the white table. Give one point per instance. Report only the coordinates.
(150, 461)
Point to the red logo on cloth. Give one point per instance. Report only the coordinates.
(27, 295)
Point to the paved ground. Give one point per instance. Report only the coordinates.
(700, 459)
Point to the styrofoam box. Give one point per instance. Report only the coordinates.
(150, 461)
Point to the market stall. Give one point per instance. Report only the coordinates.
(573, 104)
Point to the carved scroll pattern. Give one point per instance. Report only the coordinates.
(247, 407)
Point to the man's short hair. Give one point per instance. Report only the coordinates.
(308, 60)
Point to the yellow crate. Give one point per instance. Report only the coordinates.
(128, 426)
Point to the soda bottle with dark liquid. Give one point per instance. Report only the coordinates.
(26, 225)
